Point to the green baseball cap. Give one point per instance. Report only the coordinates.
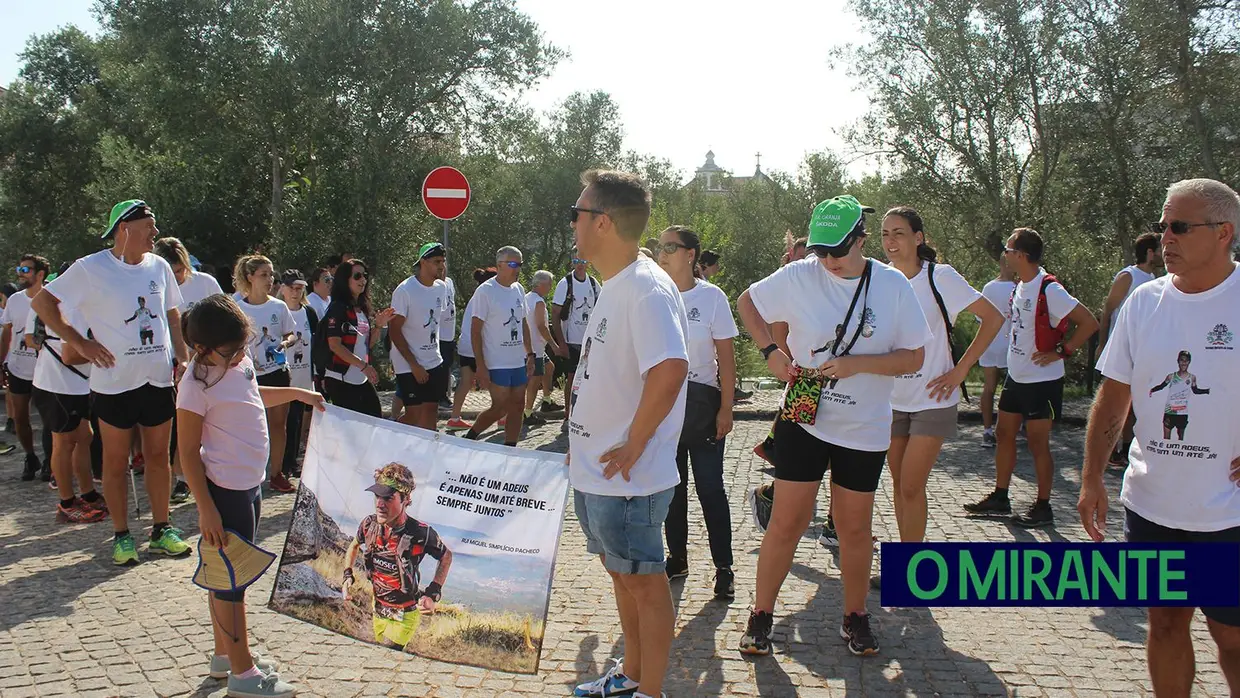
(431, 249)
(834, 220)
(125, 211)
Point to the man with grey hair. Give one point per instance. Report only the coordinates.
(1185, 490)
(502, 346)
(542, 340)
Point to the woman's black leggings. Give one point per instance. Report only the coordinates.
(240, 511)
(359, 398)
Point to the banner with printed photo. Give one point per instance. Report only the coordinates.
(390, 517)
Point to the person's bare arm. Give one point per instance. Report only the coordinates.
(557, 327)
(1086, 326)
(943, 386)
(441, 570)
(540, 318)
(6, 338)
(396, 334)
(779, 332)
(475, 335)
(1102, 431)
(47, 307)
(663, 385)
(274, 397)
(178, 341)
(1119, 290)
(893, 363)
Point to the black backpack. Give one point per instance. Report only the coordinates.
(568, 295)
(951, 340)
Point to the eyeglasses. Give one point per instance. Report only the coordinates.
(1010, 250)
(359, 275)
(579, 261)
(672, 247)
(513, 265)
(1177, 227)
(577, 210)
(23, 269)
(228, 356)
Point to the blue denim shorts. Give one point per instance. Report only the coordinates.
(508, 377)
(626, 531)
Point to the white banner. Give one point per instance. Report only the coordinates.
(412, 508)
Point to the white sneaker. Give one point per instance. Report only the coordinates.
(261, 686)
(612, 683)
(221, 666)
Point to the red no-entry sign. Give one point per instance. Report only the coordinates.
(445, 192)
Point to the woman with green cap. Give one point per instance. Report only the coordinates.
(854, 324)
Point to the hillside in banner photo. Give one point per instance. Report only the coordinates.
(490, 614)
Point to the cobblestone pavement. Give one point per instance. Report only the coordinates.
(72, 624)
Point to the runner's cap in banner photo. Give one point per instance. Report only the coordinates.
(233, 567)
(125, 211)
(431, 249)
(833, 221)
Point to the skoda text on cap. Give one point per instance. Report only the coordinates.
(833, 220)
(125, 211)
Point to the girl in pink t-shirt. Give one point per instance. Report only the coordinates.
(224, 445)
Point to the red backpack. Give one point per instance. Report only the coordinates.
(1045, 337)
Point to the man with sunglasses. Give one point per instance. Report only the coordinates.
(20, 359)
(575, 296)
(1033, 389)
(502, 346)
(1177, 492)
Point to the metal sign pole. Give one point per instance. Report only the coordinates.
(445, 234)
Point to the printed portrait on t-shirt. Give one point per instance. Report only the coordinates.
(299, 345)
(515, 329)
(1180, 386)
(433, 322)
(145, 318)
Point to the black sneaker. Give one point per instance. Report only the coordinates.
(8, 426)
(761, 501)
(995, 504)
(725, 587)
(757, 639)
(549, 406)
(677, 569)
(45, 471)
(180, 492)
(1038, 516)
(534, 419)
(856, 630)
(988, 439)
(32, 467)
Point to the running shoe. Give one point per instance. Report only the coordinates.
(503, 422)
(9, 426)
(829, 539)
(124, 552)
(766, 450)
(169, 543)
(612, 683)
(677, 569)
(535, 419)
(261, 686)
(757, 639)
(1037, 516)
(51, 484)
(6, 448)
(101, 504)
(725, 584)
(549, 406)
(761, 500)
(280, 483)
(458, 424)
(876, 580)
(45, 472)
(78, 512)
(221, 666)
(988, 439)
(32, 467)
(994, 504)
(180, 492)
(856, 630)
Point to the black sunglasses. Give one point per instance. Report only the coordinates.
(577, 210)
(837, 252)
(672, 247)
(359, 275)
(1177, 227)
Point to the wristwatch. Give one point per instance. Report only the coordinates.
(434, 591)
(1063, 351)
(767, 350)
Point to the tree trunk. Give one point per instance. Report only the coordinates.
(1184, 79)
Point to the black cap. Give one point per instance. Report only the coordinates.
(291, 277)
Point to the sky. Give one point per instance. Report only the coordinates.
(689, 76)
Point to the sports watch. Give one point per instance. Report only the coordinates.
(767, 350)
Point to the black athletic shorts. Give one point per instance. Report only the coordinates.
(411, 392)
(802, 457)
(1138, 529)
(448, 351)
(568, 364)
(147, 406)
(240, 511)
(18, 386)
(276, 379)
(469, 362)
(1032, 400)
(62, 414)
(1175, 421)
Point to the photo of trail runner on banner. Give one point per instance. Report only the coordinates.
(423, 542)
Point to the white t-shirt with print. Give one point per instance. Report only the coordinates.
(856, 413)
(710, 318)
(638, 323)
(447, 317)
(235, 441)
(910, 394)
(197, 287)
(50, 373)
(127, 306)
(584, 298)
(1181, 482)
(21, 358)
(465, 347)
(422, 308)
(532, 299)
(298, 353)
(1023, 345)
(502, 311)
(270, 322)
(999, 293)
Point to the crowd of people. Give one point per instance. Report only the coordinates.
(133, 356)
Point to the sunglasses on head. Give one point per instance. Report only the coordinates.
(24, 269)
(577, 210)
(513, 265)
(1177, 227)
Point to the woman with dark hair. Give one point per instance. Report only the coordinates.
(924, 402)
(353, 330)
(708, 410)
(469, 365)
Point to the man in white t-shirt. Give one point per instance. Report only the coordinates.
(1033, 391)
(19, 358)
(502, 346)
(447, 331)
(421, 373)
(133, 369)
(1182, 489)
(574, 299)
(1148, 249)
(544, 345)
(320, 292)
(630, 393)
